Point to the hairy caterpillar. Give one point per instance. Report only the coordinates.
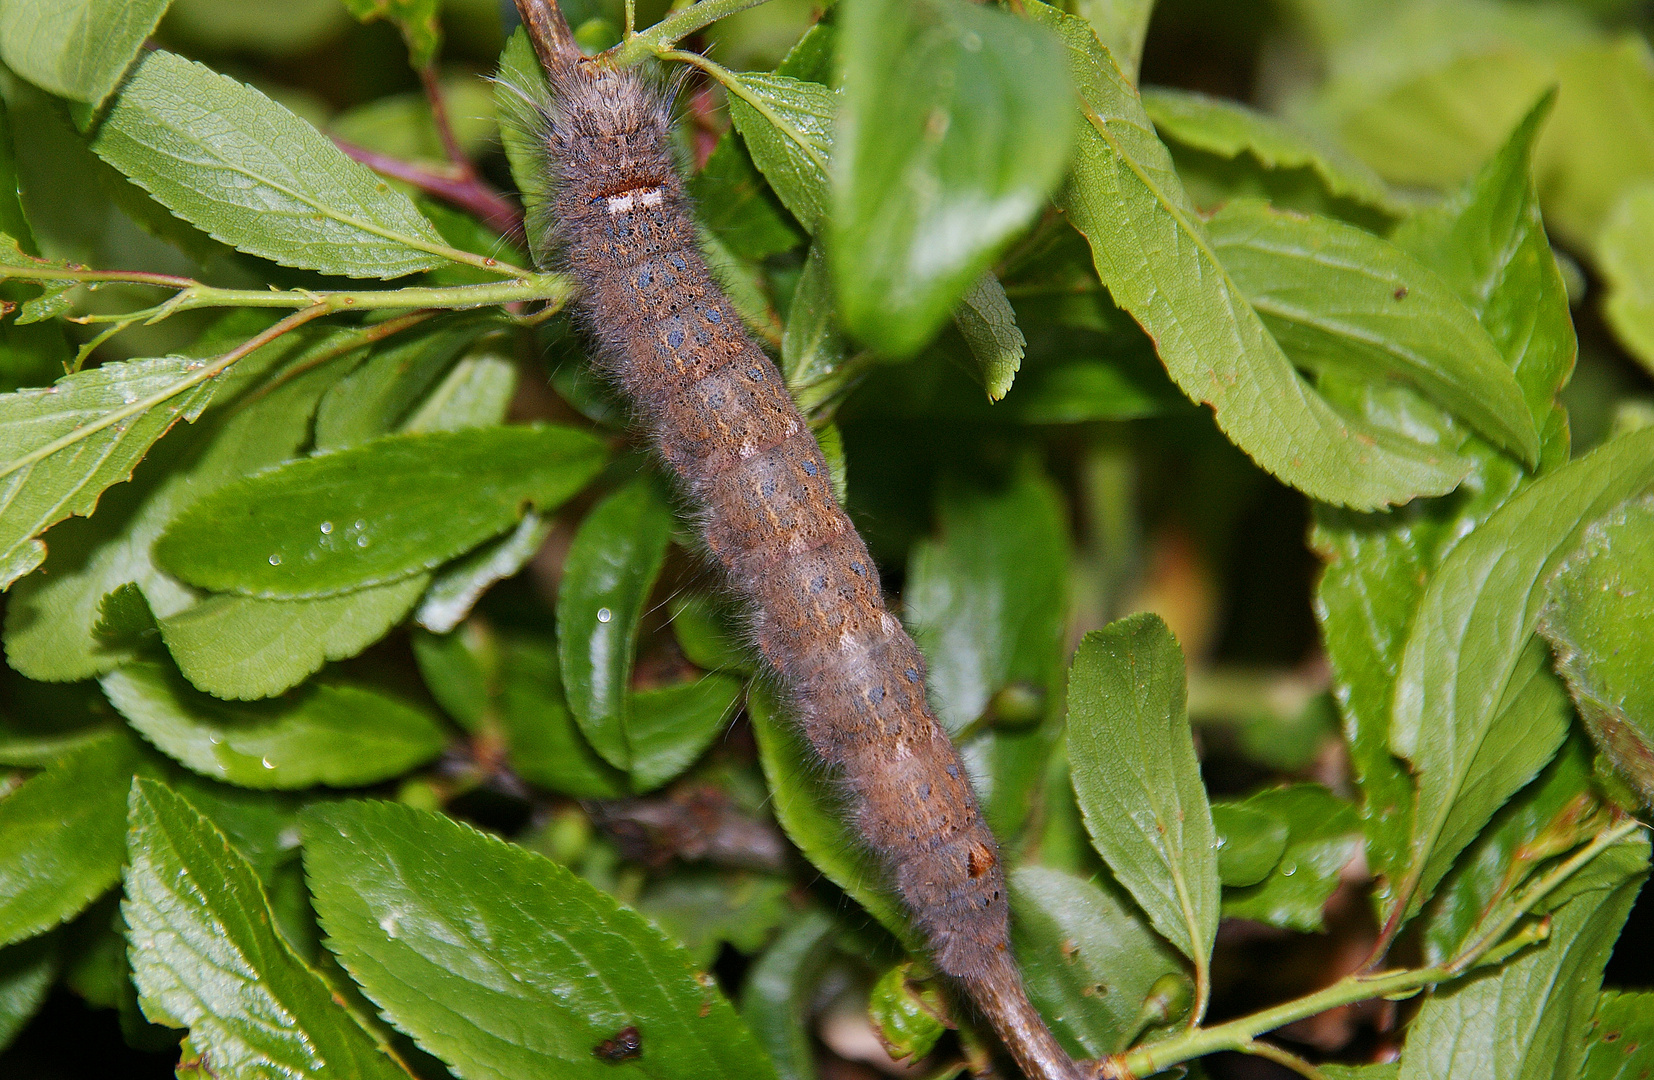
(719, 416)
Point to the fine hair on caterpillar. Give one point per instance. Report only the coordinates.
(717, 413)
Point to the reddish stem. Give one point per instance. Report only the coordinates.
(469, 192)
(439, 117)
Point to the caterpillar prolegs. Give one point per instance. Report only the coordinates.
(719, 416)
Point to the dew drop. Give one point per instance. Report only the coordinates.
(275, 560)
(266, 763)
(361, 541)
(327, 527)
(604, 614)
(1289, 868)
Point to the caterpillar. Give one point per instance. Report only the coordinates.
(719, 416)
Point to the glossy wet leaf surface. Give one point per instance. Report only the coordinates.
(205, 956)
(376, 513)
(342, 736)
(611, 569)
(501, 962)
(954, 125)
(61, 840)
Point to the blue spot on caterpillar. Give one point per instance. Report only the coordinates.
(620, 215)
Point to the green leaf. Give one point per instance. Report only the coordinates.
(733, 200)
(1382, 1071)
(52, 300)
(77, 49)
(787, 125)
(704, 908)
(812, 348)
(1621, 1038)
(520, 98)
(210, 149)
(608, 575)
(27, 970)
(206, 956)
(476, 393)
(375, 513)
(1472, 652)
(807, 805)
(243, 648)
(1601, 626)
(50, 616)
(1138, 781)
(987, 598)
(63, 445)
(776, 998)
(1335, 296)
(955, 128)
(987, 601)
(1088, 959)
(1323, 836)
(503, 963)
(1229, 129)
(418, 20)
(1602, 143)
(458, 586)
(1625, 255)
(989, 326)
(1250, 842)
(1155, 259)
(1527, 1020)
(374, 398)
(1121, 26)
(1488, 241)
(61, 842)
(673, 725)
(342, 736)
(1553, 814)
(1423, 92)
(706, 633)
(460, 670)
(542, 738)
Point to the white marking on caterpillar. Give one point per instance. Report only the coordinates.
(644, 197)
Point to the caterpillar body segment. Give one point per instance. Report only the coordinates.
(719, 415)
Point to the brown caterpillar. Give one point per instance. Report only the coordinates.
(720, 417)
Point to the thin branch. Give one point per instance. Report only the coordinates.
(549, 33)
(673, 29)
(1241, 1034)
(205, 373)
(439, 117)
(461, 187)
(191, 294)
(1283, 1058)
